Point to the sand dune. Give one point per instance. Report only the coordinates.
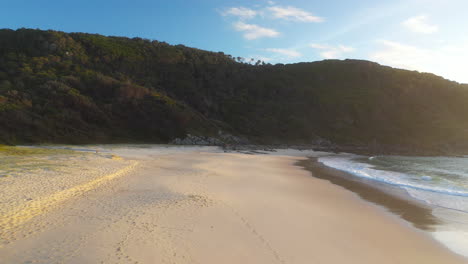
(196, 206)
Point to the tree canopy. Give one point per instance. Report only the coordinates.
(82, 88)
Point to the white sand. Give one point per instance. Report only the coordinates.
(196, 206)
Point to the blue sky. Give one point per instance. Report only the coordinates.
(423, 35)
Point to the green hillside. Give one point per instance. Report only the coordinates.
(60, 87)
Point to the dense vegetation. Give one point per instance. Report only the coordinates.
(83, 88)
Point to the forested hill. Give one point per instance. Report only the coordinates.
(60, 87)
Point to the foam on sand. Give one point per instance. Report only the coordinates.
(438, 182)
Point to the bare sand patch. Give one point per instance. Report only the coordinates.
(199, 207)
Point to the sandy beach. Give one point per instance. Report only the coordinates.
(200, 205)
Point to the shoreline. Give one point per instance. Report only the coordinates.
(201, 205)
(392, 199)
(395, 201)
(366, 150)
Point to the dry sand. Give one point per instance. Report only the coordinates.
(201, 207)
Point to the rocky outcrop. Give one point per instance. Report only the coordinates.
(197, 140)
(221, 139)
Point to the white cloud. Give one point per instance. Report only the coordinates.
(290, 53)
(252, 31)
(448, 61)
(419, 24)
(293, 13)
(241, 12)
(400, 55)
(332, 52)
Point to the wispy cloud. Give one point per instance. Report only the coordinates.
(293, 14)
(419, 24)
(289, 53)
(374, 14)
(241, 12)
(332, 52)
(448, 60)
(270, 10)
(400, 55)
(252, 31)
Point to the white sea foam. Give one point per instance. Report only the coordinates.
(438, 181)
(456, 240)
(429, 188)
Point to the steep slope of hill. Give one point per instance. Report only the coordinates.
(76, 87)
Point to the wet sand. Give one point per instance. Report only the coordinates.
(416, 213)
(197, 206)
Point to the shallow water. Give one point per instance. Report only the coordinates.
(440, 182)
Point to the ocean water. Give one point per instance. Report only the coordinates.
(440, 182)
